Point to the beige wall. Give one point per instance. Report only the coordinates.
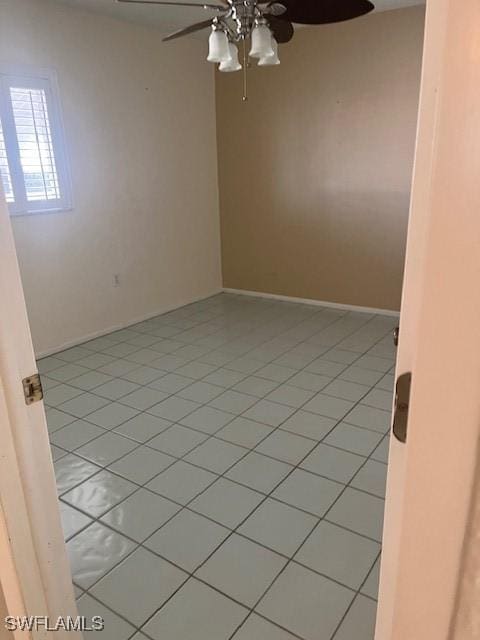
(140, 129)
(315, 170)
(4, 634)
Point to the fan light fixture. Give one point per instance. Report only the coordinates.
(218, 46)
(270, 61)
(233, 64)
(266, 23)
(261, 40)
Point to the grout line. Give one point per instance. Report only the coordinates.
(219, 475)
(356, 596)
(209, 436)
(234, 416)
(200, 405)
(292, 559)
(146, 443)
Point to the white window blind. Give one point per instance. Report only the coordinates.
(34, 138)
(32, 149)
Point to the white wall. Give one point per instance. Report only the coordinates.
(140, 128)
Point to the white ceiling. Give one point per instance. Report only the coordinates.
(168, 19)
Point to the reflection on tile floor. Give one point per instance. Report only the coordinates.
(221, 470)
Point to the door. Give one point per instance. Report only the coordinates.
(35, 576)
(431, 476)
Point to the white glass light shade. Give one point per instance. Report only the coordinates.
(218, 50)
(261, 42)
(270, 61)
(234, 64)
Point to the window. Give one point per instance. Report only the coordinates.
(33, 162)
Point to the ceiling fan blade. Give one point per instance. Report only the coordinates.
(215, 7)
(282, 29)
(191, 29)
(273, 9)
(324, 11)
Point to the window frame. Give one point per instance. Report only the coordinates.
(46, 80)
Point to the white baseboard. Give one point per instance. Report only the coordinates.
(103, 332)
(319, 303)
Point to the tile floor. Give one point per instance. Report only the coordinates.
(221, 471)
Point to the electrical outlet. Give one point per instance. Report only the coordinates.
(116, 279)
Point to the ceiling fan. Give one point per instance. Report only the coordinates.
(265, 22)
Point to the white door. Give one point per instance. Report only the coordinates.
(431, 477)
(34, 576)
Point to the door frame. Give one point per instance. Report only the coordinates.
(431, 477)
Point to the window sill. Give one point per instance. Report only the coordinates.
(18, 214)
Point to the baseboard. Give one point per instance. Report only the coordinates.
(319, 303)
(103, 332)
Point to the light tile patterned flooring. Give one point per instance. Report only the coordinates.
(221, 470)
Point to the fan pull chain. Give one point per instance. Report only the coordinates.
(245, 65)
